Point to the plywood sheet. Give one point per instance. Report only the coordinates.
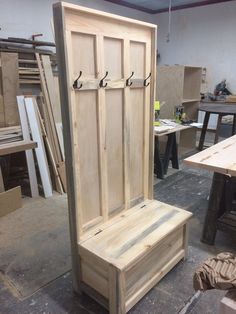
(113, 50)
(10, 200)
(137, 59)
(83, 55)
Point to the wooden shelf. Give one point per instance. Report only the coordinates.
(176, 85)
(184, 101)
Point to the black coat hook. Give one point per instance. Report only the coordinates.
(128, 83)
(145, 81)
(101, 82)
(75, 85)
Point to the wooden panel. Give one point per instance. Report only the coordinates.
(192, 82)
(138, 275)
(115, 149)
(10, 200)
(137, 59)
(154, 280)
(83, 49)
(95, 24)
(93, 278)
(113, 57)
(87, 133)
(169, 89)
(136, 142)
(10, 85)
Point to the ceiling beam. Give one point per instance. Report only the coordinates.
(132, 6)
(174, 8)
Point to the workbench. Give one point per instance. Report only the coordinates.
(11, 199)
(220, 159)
(11, 148)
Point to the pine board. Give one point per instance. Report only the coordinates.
(10, 85)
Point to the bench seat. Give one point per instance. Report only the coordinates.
(134, 251)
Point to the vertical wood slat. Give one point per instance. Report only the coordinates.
(126, 71)
(30, 106)
(147, 105)
(48, 115)
(151, 116)
(102, 128)
(65, 97)
(2, 113)
(116, 291)
(10, 86)
(73, 134)
(28, 153)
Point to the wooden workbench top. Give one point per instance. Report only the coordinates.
(219, 158)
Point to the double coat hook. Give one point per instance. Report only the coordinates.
(128, 82)
(75, 85)
(101, 84)
(145, 81)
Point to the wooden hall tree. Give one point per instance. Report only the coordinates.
(123, 241)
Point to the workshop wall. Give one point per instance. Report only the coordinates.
(26, 17)
(202, 36)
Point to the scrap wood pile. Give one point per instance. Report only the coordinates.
(28, 69)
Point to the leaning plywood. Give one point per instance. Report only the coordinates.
(31, 109)
(10, 200)
(28, 153)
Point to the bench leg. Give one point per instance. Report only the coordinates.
(214, 209)
(218, 128)
(234, 125)
(204, 129)
(168, 151)
(186, 235)
(116, 291)
(174, 158)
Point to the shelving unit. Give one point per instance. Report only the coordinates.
(180, 85)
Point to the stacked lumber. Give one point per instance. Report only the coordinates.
(19, 74)
(26, 46)
(10, 134)
(27, 69)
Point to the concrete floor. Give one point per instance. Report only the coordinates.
(35, 263)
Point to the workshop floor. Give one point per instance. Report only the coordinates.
(35, 265)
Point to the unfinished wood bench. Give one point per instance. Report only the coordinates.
(123, 241)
